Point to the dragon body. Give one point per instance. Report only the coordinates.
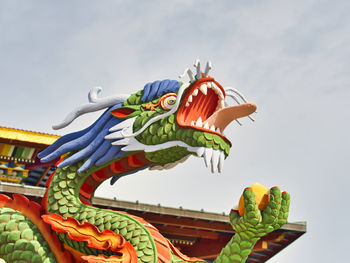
(155, 128)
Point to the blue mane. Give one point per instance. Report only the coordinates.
(90, 144)
(158, 88)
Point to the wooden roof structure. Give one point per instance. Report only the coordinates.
(195, 233)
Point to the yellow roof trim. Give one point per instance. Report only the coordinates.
(27, 136)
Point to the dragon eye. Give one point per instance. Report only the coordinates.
(168, 102)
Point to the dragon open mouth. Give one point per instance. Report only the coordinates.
(203, 108)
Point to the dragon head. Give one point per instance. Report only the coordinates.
(168, 120)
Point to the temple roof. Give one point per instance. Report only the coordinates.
(196, 233)
(25, 136)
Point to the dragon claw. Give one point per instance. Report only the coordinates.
(262, 222)
(253, 223)
(234, 217)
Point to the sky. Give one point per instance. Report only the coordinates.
(291, 58)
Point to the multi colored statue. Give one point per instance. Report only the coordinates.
(155, 128)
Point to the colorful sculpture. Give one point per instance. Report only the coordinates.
(155, 128)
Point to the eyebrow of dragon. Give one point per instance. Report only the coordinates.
(159, 117)
(152, 106)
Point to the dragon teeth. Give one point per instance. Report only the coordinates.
(221, 161)
(199, 122)
(221, 103)
(215, 160)
(208, 152)
(217, 90)
(203, 89)
(190, 98)
(200, 151)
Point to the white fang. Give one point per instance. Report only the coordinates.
(207, 155)
(200, 151)
(221, 161)
(215, 160)
(203, 89)
(199, 122)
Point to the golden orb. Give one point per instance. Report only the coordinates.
(262, 196)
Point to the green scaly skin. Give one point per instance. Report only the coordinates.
(21, 240)
(63, 199)
(254, 224)
(166, 130)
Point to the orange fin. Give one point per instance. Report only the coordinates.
(105, 240)
(32, 210)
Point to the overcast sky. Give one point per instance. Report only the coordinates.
(291, 58)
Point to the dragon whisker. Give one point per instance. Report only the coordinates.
(233, 90)
(252, 119)
(230, 89)
(233, 97)
(95, 104)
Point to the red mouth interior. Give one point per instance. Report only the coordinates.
(202, 106)
(209, 108)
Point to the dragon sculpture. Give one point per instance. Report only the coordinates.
(155, 128)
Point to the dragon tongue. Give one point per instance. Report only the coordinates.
(223, 117)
